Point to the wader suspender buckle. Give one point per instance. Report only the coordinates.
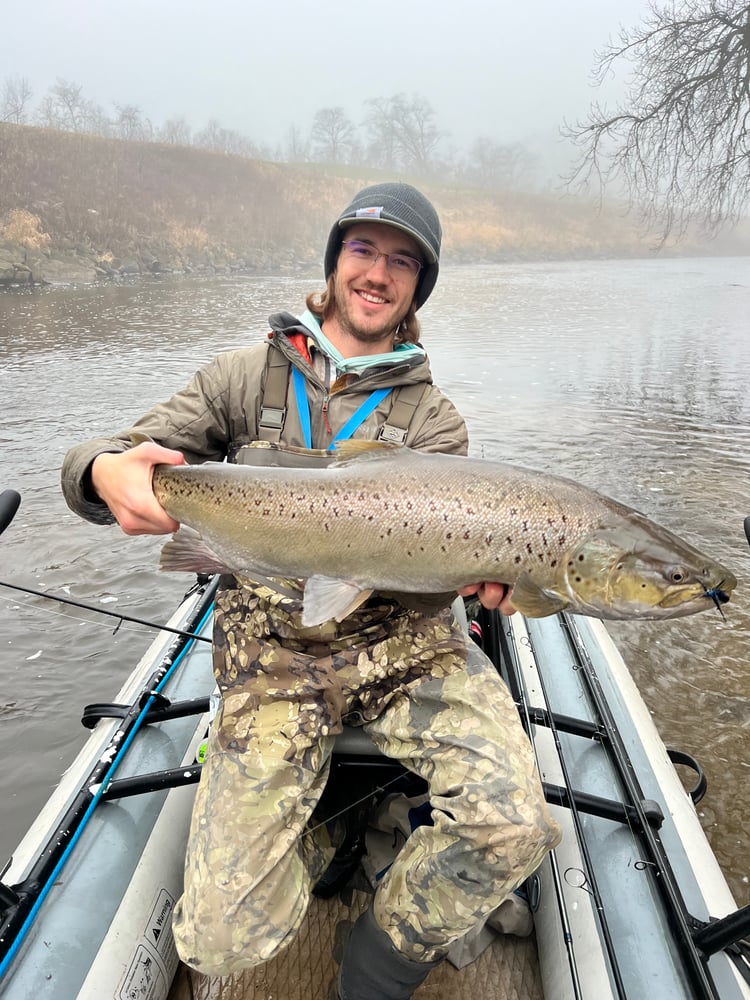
(406, 400)
(273, 403)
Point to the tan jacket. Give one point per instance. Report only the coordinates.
(218, 411)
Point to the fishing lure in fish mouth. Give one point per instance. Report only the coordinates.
(718, 596)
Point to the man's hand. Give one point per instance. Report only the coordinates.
(123, 481)
(491, 595)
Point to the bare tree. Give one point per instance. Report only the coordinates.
(382, 145)
(296, 147)
(401, 132)
(175, 131)
(130, 123)
(332, 135)
(497, 165)
(64, 107)
(16, 96)
(417, 136)
(680, 142)
(223, 140)
(211, 136)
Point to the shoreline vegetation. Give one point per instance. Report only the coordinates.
(77, 208)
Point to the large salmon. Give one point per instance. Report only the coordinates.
(392, 519)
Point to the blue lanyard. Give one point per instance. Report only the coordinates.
(357, 418)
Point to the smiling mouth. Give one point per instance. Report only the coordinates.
(372, 297)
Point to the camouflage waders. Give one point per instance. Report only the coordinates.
(429, 698)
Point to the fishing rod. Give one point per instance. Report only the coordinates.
(9, 503)
(20, 903)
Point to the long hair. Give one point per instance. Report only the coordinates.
(323, 305)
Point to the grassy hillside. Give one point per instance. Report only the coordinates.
(78, 206)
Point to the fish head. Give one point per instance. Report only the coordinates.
(637, 569)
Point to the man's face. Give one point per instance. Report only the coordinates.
(373, 298)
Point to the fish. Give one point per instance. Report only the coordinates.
(386, 518)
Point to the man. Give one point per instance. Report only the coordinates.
(350, 365)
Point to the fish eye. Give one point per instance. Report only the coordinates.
(676, 574)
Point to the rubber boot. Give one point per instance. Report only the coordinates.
(372, 969)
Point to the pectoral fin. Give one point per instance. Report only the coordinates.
(326, 598)
(188, 553)
(534, 601)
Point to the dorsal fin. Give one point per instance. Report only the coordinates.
(364, 450)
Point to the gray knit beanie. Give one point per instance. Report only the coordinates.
(401, 206)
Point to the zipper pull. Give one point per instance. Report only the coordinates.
(324, 411)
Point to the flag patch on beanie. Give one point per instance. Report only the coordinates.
(369, 213)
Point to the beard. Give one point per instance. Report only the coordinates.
(368, 330)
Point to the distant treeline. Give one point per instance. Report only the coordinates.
(398, 133)
(117, 205)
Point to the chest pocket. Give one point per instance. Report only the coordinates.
(273, 407)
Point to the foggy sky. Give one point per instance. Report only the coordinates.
(508, 71)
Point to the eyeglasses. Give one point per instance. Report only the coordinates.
(397, 263)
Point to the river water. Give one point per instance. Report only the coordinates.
(633, 377)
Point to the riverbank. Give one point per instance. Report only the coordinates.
(77, 208)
